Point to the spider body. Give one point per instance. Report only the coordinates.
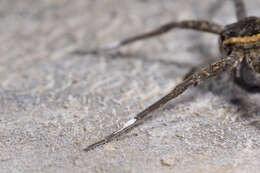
(244, 37)
(244, 34)
(239, 44)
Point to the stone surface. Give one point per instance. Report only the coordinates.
(53, 103)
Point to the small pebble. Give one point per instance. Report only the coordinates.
(109, 147)
(168, 161)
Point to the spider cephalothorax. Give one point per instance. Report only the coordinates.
(240, 47)
(244, 36)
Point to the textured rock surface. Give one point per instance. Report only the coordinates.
(53, 103)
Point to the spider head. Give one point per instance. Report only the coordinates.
(244, 34)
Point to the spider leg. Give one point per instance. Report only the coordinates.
(247, 78)
(200, 25)
(212, 70)
(240, 9)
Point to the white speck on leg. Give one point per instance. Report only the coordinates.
(129, 123)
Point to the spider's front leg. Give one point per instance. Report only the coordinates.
(200, 25)
(240, 9)
(212, 70)
(246, 78)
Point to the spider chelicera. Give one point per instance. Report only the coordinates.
(239, 44)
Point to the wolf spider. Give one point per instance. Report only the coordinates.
(239, 44)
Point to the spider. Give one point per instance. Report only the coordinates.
(239, 44)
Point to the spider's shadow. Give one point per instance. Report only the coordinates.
(248, 110)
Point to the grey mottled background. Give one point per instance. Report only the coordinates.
(54, 103)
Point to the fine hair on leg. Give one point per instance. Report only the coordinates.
(208, 72)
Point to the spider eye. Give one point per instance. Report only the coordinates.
(233, 34)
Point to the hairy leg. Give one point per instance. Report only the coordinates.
(212, 70)
(240, 9)
(247, 78)
(202, 25)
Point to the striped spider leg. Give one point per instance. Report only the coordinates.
(212, 70)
